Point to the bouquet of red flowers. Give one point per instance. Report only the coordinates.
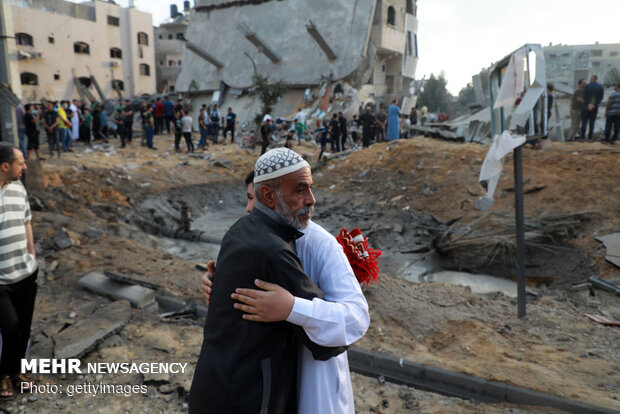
(363, 259)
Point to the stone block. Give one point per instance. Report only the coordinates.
(83, 336)
(97, 282)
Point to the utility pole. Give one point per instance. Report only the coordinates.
(8, 127)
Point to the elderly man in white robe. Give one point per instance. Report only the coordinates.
(339, 320)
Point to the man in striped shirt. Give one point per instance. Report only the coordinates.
(612, 113)
(18, 269)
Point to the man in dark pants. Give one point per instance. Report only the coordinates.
(18, 271)
(128, 121)
(612, 113)
(159, 113)
(265, 133)
(381, 124)
(334, 126)
(249, 367)
(50, 123)
(368, 120)
(592, 96)
(231, 121)
(168, 113)
(342, 139)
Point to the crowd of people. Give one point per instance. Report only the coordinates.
(336, 131)
(65, 122)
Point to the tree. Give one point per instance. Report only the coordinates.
(467, 96)
(268, 93)
(435, 96)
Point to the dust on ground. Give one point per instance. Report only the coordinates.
(399, 194)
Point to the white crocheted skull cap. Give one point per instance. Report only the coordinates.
(276, 163)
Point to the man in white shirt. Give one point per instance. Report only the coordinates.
(186, 127)
(339, 320)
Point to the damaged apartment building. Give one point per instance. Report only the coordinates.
(354, 51)
(91, 50)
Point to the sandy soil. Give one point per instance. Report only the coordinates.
(391, 192)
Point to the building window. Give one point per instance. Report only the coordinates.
(118, 84)
(145, 69)
(171, 88)
(612, 54)
(160, 36)
(180, 36)
(85, 81)
(169, 37)
(391, 16)
(23, 39)
(409, 48)
(171, 63)
(415, 44)
(81, 47)
(50, 39)
(596, 64)
(143, 39)
(179, 63)
(56, 76)
(596, 53)
(116, 53)
(29, 78)
(114, 21)
(410, 6)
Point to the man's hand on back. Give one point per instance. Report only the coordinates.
(206, 282)
(271, 304)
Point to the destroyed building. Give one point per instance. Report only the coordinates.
(169, 44)
(64, 50)
(365, 50)
(566, 64)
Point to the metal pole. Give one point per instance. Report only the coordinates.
(520, 219)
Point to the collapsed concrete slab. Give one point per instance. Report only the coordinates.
(612, 244)
(83, 336)
(97, 282)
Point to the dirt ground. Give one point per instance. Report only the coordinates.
(401, 195)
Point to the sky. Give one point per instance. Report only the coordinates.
(461, 37)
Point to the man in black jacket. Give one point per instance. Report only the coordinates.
(247, 367)
(592, 96)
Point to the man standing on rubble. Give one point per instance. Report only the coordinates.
(251, 367)
(592, 96)
(265, 133)
(381, 123)
(612, 113)
(393, 124)
(368, 120)
(18, 270)
(168, 113)
(231, 122)
(576, 102)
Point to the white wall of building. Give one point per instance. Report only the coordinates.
(54, 36)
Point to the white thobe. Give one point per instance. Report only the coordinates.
(341, 319)
(75, 123)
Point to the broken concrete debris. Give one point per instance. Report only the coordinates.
(85, 334)
(612, 244)
(97, 282)
(62, 240)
